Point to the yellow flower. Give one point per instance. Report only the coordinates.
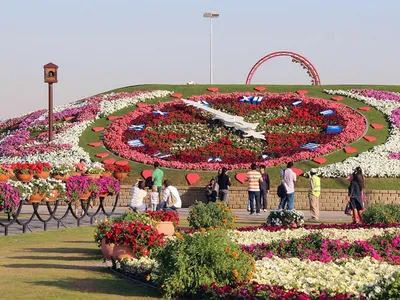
(148, 277)
(235, 254)
(224, 221)
(211, 228)
(203, 229)
(227, 250)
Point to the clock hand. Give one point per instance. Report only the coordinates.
(234, 121)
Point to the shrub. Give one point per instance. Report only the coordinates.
(284, 217)
(143, 238)
(131, 216)
(213, 214)
(382, 213)
(164, 216)
(101, 229)
(188, 262)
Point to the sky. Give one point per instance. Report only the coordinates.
(100, 45)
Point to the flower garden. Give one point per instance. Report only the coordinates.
(213, 260)
(330, 129)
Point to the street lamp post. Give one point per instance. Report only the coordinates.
(211, 15)
(50, 77)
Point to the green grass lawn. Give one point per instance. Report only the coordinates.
(178, 176)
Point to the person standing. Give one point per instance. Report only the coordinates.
(157, 177)
(355, 194)
(313, 194)
(224, 181)
(254, 178)
(154, 198)
(264, 188)
(289, 178)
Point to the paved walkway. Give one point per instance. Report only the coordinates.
(70, 221)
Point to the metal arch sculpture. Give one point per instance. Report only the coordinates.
(296, 58)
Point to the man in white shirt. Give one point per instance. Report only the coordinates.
(289, 178)
(172, 200)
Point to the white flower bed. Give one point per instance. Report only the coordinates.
(375, 162)
(72, 135)
(263, 236)
(341, 276)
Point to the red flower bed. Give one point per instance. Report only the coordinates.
(164, 216)
(291, 127)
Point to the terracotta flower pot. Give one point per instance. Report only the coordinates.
(54, 198)
(77, 174)
(67, 176)
(95, 176)
(103, 195)
(4, 177)
(59, 177)
(24, 177)
(43, 175)
(35, 198)
(120, 176)
(85, 195)
(166, 228)
(106, 249)
(106, 174)
(122, 251)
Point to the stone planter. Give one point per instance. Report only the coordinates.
(24, 177)
(120, 176)
(106, 249)
(60, 177)
(4, 177)
(95, 176)
(122, 251)
(35, 198)
(166, 228)
(43, 175)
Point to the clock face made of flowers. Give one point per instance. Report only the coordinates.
(234, 130)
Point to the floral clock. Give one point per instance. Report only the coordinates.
(287, 127)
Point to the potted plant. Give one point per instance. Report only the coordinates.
(133, 239)
(61, 172)
(108, 186)
(121, 172)
(58, 190)
(79, 188)
(99, 236)
(9, 197)
(4, 174)
(43, 170)
(282, 217)
(108, 170)
(24, 190)
(40, 188)
(166, 220)
(95, 170)
(25, 171)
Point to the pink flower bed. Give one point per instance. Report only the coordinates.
(353, 124)
(379, 95)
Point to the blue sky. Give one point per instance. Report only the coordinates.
(101, 44)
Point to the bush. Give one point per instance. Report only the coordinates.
(284, 217)
(132, 216)
(213, 214)
(190, 261)
(382, 213)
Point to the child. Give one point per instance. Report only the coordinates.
(154, 198)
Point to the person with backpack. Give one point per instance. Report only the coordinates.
(172, 199)
(286, 189)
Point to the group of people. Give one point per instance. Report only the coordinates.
(170, 200)
(259, 188)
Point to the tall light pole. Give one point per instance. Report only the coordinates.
(211, 15)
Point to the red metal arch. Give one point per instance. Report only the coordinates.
(296, 58)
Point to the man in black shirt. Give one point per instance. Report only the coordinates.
(224, 182)
(264, 188)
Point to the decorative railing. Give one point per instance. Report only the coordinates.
(17, 218)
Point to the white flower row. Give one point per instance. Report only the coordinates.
(375, 162)
(108, 107)
(341, 276)
(72, 135)
(263, 236)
